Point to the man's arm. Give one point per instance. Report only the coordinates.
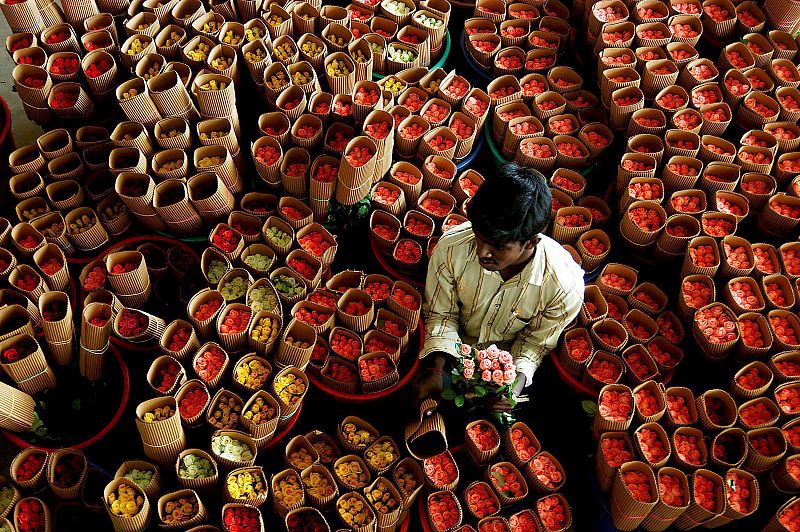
(440, 311)
(542, 333)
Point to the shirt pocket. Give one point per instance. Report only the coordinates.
(516, 324)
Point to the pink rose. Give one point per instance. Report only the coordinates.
(465, 350)
(469, 373)
(509, 377)
(493, 351)
(505, 357)
(495, 365)
(487, 376)
(511, 367)
(481, 355)
(486, 364)
(497, 376)
(468, 363)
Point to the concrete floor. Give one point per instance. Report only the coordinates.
(25, 131)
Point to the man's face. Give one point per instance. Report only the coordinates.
(495, 258)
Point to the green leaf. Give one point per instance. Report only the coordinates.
(512, 402)
(480, 391)
(459, 400)
(590, 407)
(455, 372)
(508, 493)
(499, 480)
(448, 394)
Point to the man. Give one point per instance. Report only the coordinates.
(497, 279)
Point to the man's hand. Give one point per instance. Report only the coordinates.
(430, 381)
(503, 404)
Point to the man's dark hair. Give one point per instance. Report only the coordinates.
(512, 206)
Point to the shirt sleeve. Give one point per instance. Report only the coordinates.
(441, 309)
(542, 333)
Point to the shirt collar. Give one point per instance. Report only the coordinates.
(538, 264)
(533, 271)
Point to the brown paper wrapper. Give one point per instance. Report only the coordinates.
(242, 363)
(279, 224)
(269, 173)
(383, 383)
(688, 397)
(259, 204)
(295, 445)
(655, 293)
(564, 234)
(170, 96)
(132, 282)
(30, 95)
(779, 374)
(205, 327)
(65, 492)
(259, 499)
(198, 517)
(781, 476)
(32, 373)
(678, 244)
(66, 167)
(58, 334)
(758, 462)
(26, 160)
(793, 322)
(279, 508)
(127, 524)
(384, 218)
(603, 424)
(505, 500)
(262, 432)
(140, 107)
(152, 373)
(725, 419)
(233, 342)
(316, 501)
(130, 135)
(677, 461)
(93, 337)
(718, 350)
(188, 386)
(209, 196)
(159, 432)
(289, 410)
(82, 107)
(627, 511)
(621, 270)
(153, 488)
(37, 479)
(54, 143)
(593, 295)
(636, 234)
(60, 279)
(166, 139)
(15, 314)
(196, 483)
(170, 164)
(634, 127)
(209, 255)
(296, 186)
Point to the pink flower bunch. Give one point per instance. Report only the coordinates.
(494, 364)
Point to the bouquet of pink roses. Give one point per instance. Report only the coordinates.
(481, 377)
